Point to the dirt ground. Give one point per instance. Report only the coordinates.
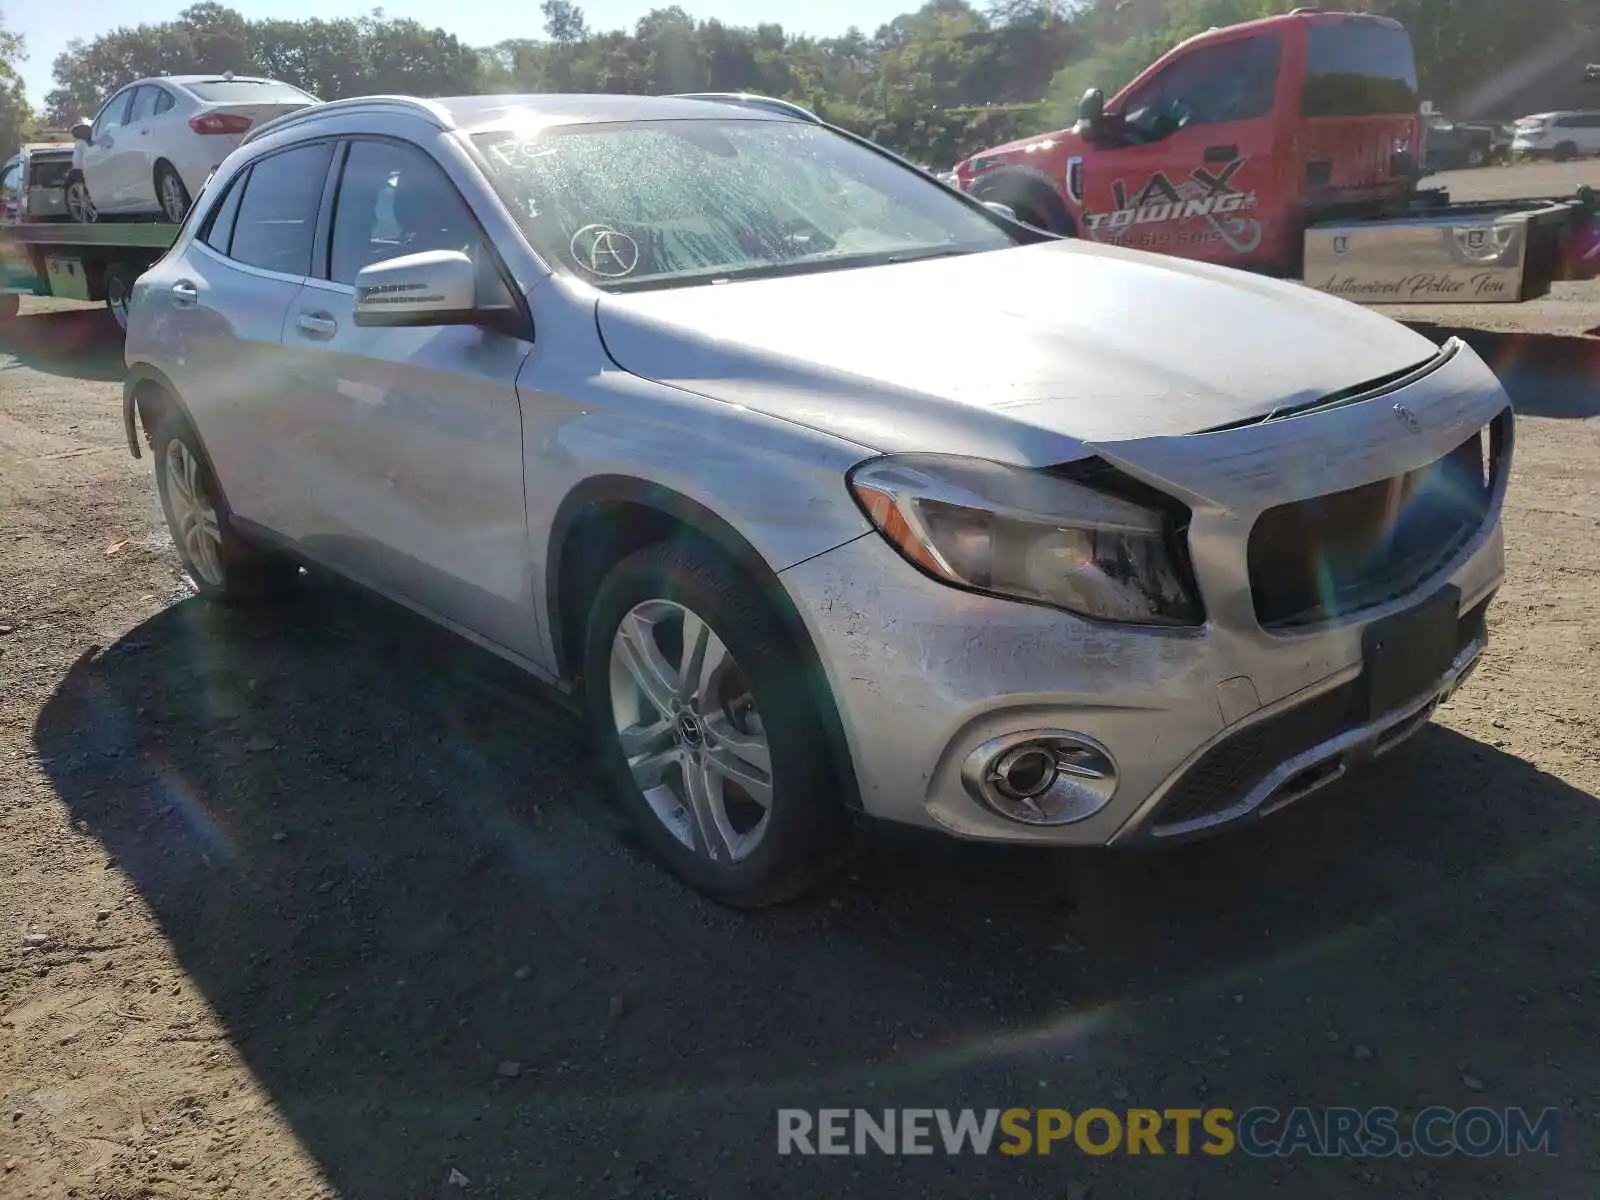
(318, 903)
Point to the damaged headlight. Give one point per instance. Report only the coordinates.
(1029, 535)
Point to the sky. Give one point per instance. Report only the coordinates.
(48, 24)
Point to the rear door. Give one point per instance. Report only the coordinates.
(1193, 171)
(132, 164)
(224, 299)
(418, 463)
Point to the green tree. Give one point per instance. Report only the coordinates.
(16, 117)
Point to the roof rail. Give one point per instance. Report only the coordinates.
(771, 104)
(312, 112)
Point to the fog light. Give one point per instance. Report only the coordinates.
(1041, 776)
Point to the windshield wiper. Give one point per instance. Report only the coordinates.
(797, 266)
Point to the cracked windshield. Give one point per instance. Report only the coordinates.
(993, 598)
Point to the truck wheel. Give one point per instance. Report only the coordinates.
(1477, 156)
(1033, 203)
(80, 206)
(1566, 152)
(119, 289)
(223, 565)
(716, 755)
(170, 191)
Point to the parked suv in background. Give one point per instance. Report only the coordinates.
(676, 404)
(156, 141)
(1559, 135)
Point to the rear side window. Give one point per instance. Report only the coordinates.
(218, 230)
(276, 222)
(1359, 69)
(249, 91)
(164, 101)
(51, 172)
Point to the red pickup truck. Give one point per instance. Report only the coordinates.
(1291, 146)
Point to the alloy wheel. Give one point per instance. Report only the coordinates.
(690, 731)
(80, 207)
(173, 202)
(194, 513)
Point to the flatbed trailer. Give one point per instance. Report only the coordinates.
(96, 262)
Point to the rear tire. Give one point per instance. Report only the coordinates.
(1476, 157)
(727, 777)
(1566, 152)
(224, 565)
(119, 289)
(171, 194)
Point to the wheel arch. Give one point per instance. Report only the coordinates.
(1032, 188)
(607, 517)
(147, 396)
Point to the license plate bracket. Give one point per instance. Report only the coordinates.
(1405, 655)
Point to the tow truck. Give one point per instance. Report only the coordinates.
(43, 254)
(1291, 146)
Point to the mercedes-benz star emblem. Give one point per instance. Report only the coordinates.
(1407, 418)
(603, 251)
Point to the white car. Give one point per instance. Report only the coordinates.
(155, 142)
(1558, 135)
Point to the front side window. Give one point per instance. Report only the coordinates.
(395, 200)
(1213, 85)
(276, 222)
(115, 114)
(668, 203)
(1359, 68)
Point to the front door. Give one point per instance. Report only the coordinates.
(418, 471)
(1188, 166)
(104, 153)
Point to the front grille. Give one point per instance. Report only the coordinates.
(1227, 772)
(1334, 555)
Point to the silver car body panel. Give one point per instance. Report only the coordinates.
(752, 401)
(1016, 355)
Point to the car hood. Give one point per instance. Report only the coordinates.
(1019, 355)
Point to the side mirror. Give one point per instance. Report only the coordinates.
(1004, 210)
(436, 287)
(82, 131)
(1092, 108)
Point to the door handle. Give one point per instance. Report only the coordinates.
(184, 294)
(317, 325)
(1221, 154)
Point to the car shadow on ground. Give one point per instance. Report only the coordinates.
(389, 872)
(78, 343)
(1546, 375)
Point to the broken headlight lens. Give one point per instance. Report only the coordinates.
(1029, 535)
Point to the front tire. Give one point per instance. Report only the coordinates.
(223, 565)
(706, 734)
(1566, 152)
(80, 205)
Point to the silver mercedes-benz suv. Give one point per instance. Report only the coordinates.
(826, 489)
